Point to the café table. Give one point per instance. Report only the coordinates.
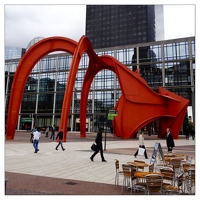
(143, 174)
(167, 159)
(138, 164)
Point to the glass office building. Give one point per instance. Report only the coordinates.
(117, 25)
(169, 64)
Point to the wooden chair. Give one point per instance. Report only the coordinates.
(154, 183)
(118, 172)
(128, 173)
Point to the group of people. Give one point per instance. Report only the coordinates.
(51, 130)
(189, 131)
(36, 134)
(169, 142)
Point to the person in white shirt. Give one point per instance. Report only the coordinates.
(141, 145)
(36, 137)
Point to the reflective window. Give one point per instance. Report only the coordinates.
(177, 73)
(47, 82)
(31, 84)
(61, 81)
(45, 102)
(152, 74)
(125, 55)
(13, 66)
(64, 62)
(28, 103)
(59, 102)
(175, 51)
(48, 64)
(154, 53)
(193, 48)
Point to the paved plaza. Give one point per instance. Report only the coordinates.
(71, 171)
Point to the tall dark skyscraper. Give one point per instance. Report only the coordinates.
(117, 25)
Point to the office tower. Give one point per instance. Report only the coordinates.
(159, 22)
(117, 25)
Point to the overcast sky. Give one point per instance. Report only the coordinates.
(25, 22)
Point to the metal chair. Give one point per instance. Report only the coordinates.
(168, 176)
(176, 163)
(190, 183)
(170, 186)
(154, 183)
(185, 167)
(151, 167)
(118, 172)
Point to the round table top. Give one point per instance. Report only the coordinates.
(138, 164)
(143, 174)
(174, 155)
(167, 159)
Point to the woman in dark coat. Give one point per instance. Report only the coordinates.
(169, 140)
(98, 141)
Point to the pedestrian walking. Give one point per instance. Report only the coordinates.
(98, 141)
(53, 132)
(60, 136)
(111, 129)
(141, 145)
(47, 132)
(187, 133)
(169, 140)
(31, 138)
(36, 137)
(193, 133)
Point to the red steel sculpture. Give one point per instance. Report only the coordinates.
(137, 106)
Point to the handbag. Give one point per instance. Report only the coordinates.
(94, 147)
(141, 151)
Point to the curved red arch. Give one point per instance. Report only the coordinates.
(26, 64)
(137, 100)
(137, 106)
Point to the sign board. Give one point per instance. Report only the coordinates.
(112, 114)
(157, 148)
(27, 120)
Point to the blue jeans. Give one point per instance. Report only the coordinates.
(35, 144)
(60, 143)
(52, 135)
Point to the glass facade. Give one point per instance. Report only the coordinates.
(169, 64)
(116, 25)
